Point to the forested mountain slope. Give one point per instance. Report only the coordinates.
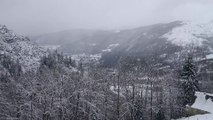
(167, 43)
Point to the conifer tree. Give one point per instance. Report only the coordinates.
(190, 83)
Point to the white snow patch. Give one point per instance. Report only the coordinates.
(203, 104)
(113, 45)
(106, 50)
(139, 89)
(51, 47)
(110, 47)
(84, 56)
(190, 34)
(114, 90)
(210, 56)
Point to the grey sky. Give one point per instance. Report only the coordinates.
(31, 17)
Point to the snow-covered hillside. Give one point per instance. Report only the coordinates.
(190, 33)
(167, 41)
(180, 33)
(203, 104)
(20, 48)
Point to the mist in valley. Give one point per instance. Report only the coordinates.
(106, 60)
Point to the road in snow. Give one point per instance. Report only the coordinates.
(203, 104)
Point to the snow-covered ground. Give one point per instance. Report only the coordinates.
(141, 89)
(86, 57)
(110, 47)
(203, 104)
(51, 47)
(210, 56)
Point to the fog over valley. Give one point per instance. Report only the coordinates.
(30, 17)
(106, 60)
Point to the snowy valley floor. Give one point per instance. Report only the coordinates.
(202, 104)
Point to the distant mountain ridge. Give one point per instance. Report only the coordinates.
(167, 43)
(138, 41)
(93, 42)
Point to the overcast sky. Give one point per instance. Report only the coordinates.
(33, 17)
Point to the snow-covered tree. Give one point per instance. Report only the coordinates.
(190, 83)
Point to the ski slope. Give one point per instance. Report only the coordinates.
(203, 104)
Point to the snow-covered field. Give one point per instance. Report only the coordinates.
(203, 104)
(139, 89)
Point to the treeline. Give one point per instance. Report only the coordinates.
(63, 89)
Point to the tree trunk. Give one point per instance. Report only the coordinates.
(118, 99)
